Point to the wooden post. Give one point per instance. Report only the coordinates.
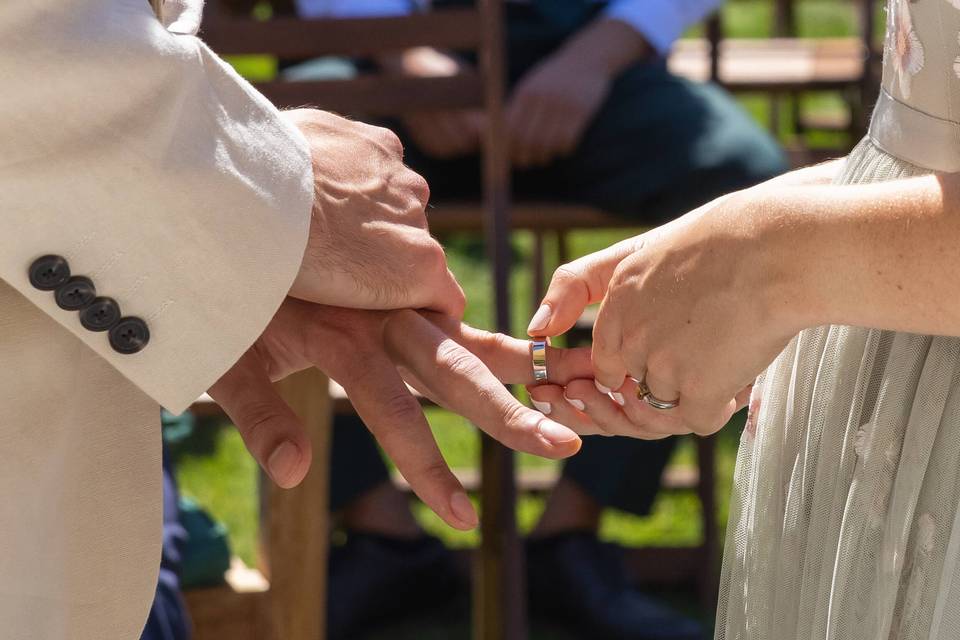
(499, 592)
(539, 258)
(295, 532)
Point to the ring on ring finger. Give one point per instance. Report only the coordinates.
(643, 392)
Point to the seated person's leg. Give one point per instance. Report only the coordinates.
(168, 618)
(387, 567)
(660, 146)
(575, 577)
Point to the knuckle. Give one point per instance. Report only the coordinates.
(512, 415)
(390, 140)
(257, 420)
(456, 360)
(434, 472)
(399, 407)
(566, 274)
(603, 343)
(420, 188)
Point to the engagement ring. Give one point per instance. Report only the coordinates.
(643, 392)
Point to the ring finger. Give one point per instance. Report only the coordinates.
(645, 417)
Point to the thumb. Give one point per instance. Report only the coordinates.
(576, 285)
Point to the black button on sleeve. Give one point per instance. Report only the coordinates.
(130, 335)
(75, 293)
(49, 272)
(100, 315)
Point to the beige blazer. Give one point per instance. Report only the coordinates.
(143, 160)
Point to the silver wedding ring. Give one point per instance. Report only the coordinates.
(643, 392)
(538, 353)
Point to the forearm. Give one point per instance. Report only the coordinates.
(817, 174)
(606, 44)
(881, 255)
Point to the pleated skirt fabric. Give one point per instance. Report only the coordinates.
(845, 514)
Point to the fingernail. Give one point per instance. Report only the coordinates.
(602, 389)
(618, 398)
(540, 319)
(556, 432)
(542, 407)
(463, 509)
(576, 403)
(283, 458)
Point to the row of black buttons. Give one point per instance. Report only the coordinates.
(97, 313)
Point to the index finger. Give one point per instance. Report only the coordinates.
(510, 359)
(458, 380)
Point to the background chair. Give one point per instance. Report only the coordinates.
(784, 66)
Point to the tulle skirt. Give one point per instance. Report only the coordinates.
(844, 519)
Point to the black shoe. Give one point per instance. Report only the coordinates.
(373, 578)
(574, 577)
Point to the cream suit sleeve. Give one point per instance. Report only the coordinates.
(173, 191)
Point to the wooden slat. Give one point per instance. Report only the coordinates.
(666, 566)
(538, 216)
(542, 480)
(236, 610)
(377, 95)
(298, 39)
(774, 64)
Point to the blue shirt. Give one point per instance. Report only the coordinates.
(660, 22)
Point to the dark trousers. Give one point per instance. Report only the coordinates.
(658, 147)
(616, 472)
(168, 617)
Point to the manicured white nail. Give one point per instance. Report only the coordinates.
(602, 389)
(617, 397)
(576, 403)
(540, 319)
(542, 407)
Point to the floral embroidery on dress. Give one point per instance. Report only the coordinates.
(903, 45)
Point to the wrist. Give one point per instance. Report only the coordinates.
(790, 283)
(606, 46)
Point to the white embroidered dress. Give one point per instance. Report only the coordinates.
(845, 517)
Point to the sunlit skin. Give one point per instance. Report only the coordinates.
(700, 306)
(373, 354)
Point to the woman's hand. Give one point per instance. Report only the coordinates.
(444, 133)
(696, 308)
(366, 351)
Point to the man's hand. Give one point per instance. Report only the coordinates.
(553, 104)
(363, 350)
(551, 107)
(447, 133)
(369, 246)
